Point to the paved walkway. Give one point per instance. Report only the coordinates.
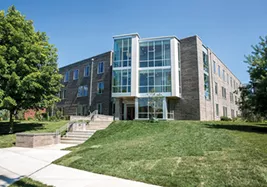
(35, 163)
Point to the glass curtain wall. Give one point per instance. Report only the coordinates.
(121, 76)
(206, 76)
(149, 107)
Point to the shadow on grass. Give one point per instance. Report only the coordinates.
(236, 127)
(19, 127)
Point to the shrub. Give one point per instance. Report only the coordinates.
(20, 115)
(38, 116)
(59, 114)
(53, 118)
(30, 119)
(45, 116)
(225, 118)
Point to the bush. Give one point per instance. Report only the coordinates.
(38, 116)
(20, 115)
(45, 116)
(30, 119)
(4, 114)
(225, 118)
(59, 114)
(53, 118)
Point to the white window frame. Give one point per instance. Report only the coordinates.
(77, 74)
(85, 71)
(217, 110)
(98, 70)
(99, 89)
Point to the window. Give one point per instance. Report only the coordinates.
(223, 75)
(75, 74)
(225, 111)
(227, 78)
(155, 80)
(219, 71)
(66, 76)
(122, 52)
(64, 94)
(231, 97)
(99, 108)
(214, 67)
(155, 54)
(82, 91)
(86, 71)
(223, 92)
(100, 68)
(231, 83)
(100, 87)
(234, 84)
(236, 100)
(216, 88)
(206, 75)
(232, 113)
(179, 69)
(121, 82)
(217, 109)
(236, 113)
(148, 107)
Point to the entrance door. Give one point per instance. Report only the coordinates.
(130, 113)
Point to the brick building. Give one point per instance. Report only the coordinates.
(193, 83)
(85, 90)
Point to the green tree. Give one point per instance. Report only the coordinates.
(29, 76)
(255, 93)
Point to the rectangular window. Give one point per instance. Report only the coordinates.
(232, 113)
(155, 80)
(206, 86)
(205, 62)
(217, 109)
(149, 107)
(216, 88)
(64, 94)
(75, 74)
(82, 91)
(231, 82)
(231, 97)
(86, 71)
(100, 87)
(100, 68)
(219, 71)
(227, 78)
(155, 54)
(234, 84)
(223, 92)
(214, 67)
(66, 76)
(99, 108)
(122, 52)
(121, 81)
(223, 75)
(236, 100)
(225, 111)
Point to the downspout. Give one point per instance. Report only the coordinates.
(91, 82)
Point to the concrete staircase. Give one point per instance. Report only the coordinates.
(99, 122)
(76, 137)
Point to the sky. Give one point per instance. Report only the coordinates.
(84, 28)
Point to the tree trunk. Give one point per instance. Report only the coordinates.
(11, 121)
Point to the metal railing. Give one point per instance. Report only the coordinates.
(64, 128)
(171, 115)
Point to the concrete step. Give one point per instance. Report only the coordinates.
(75, 138)
(85, 133)
(71, 141)
(78, 136)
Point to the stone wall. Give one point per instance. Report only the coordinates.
(36, 140)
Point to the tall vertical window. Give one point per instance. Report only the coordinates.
(214, 67)
(66, 76)
(227, 78)
(225, 111)
(82, 91)
(99, 108)
(121, 82)
(75, 74)
(206, 75)
(86, 71)
(122, 52)
(234, 84)
(219, 71)
(231, 97)
(147, 107)
(100, 87)
(155, 53)
(217, 109)
(232, 113)
(223, 75)
(223, 92)
(216, 88)
(231, 82)
(100, 68)
(179, 68)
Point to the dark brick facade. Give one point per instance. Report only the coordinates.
(73, 105)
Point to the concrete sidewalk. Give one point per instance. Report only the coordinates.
(16, 162)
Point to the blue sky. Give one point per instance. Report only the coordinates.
(84, 28)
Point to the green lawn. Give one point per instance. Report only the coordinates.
(8, 140)
(177, 153)
(27, 182)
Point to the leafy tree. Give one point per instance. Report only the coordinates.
(254, 95)
(155, 105)
(29, 76)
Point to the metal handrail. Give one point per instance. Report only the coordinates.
(65, 127)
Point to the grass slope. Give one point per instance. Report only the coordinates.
(8, 140)
(177, 153)
(27, 182)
